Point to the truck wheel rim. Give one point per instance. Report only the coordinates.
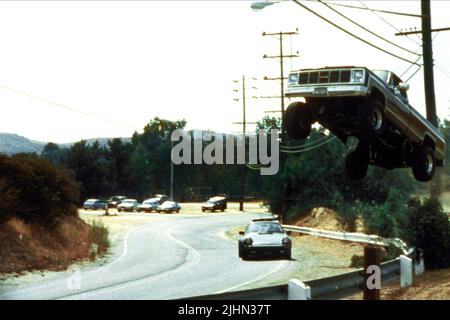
(376, 119)
(429, 164)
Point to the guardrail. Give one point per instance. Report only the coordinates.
(335, 287)
(350, 236)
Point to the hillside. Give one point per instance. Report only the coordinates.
(12, 143)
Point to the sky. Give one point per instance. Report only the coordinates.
(120, 64)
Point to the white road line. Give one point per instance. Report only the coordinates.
(124, 253)
(254, 280)
(193, 257)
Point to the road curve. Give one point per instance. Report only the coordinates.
(173, 257)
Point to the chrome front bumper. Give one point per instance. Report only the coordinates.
(326, 91)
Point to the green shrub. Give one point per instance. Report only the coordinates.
(99, 237)
(36, 191)
(428, 228)
(386, 219)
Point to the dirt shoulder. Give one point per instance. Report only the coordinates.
(431, 285)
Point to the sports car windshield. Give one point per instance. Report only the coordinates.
(264, 228)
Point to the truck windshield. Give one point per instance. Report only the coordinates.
(382, 74)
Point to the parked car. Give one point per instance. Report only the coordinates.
(94, 204)
(128, 205)
(168, 207)
(148, 205)
(114, 201)
(215, 203)
(264, 238)
(371, 106)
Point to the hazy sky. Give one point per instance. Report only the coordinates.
(131, 61)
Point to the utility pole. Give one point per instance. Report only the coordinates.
(430, 100)
(244, 129)
(171, 176)
(427, 47)
(281, 78)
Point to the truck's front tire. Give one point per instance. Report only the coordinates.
(423, 163)
(357, 162)
(371, 120)
(297, 120)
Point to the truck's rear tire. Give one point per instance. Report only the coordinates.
(423, 163)
(371, 120)
(357, 162)
(297, 121)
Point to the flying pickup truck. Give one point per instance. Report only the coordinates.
(371, 106)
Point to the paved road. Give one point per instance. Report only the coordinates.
(174, 257)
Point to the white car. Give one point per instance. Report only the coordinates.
(128, 205)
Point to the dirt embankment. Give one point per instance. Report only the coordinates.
(326, 219)
(25, 247)
(432, 285)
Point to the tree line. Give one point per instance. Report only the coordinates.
(42, 188)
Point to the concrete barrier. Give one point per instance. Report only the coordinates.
(406, 271)
(297, 290)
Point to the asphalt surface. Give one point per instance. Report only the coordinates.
(174, 257)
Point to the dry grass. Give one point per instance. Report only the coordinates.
(326, 219)
(25, 247)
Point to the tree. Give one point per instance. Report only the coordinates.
(54, 153)
(91, 168)
(428, 228)
(118, 154)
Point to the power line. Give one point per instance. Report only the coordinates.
(310, 143)
(389, 24)
(415, 72)
(349, 33)
(442, 69)
(364, 28)
(248, 165)
(404, 72)
(67, 107)
(420, 56)
(377, 10)
(312, 148)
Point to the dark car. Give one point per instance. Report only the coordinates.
(113, 202)
(168, 207)
(94, 204)
(148, 205)
(215, 203)
(371, 106)
(128, 205)
(264, 238)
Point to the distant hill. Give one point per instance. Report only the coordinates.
(12, 143)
